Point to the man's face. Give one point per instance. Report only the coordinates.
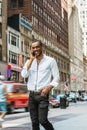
(36, 49)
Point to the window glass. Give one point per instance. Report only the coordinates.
(13, 57)
(23, 89)
(9, 88)
(20, 3)
(13, 40)
(13, 4)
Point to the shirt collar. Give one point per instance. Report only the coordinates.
(44, 57)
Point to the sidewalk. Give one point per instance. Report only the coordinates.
(75, 123)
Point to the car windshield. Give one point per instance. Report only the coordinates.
(9, 88)
(72, 95)
(59, 96)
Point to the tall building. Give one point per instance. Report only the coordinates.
(3, 45)
(82, 7)
(18, 42)
(50, 25)
(20, 6)
(75, 48)
(0, 30)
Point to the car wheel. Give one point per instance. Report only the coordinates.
(26, 109)
(11, 108)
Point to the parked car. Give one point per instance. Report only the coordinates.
(73, 97)
(83, 98)
(53, 102)
(63, 100)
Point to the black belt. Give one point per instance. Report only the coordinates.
(35, 91)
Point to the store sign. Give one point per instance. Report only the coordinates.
(24, 22)
(15, 68)
(20, 60)
(9, 67)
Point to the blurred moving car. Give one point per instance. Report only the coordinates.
(17, 96)
(53, 102)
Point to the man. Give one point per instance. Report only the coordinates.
(3, 96)
(43, 75)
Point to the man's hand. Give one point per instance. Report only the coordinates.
(46, 90)
(30, 60)
(32, 57)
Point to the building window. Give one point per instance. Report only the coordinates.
(0, 8)
(13, 4)
(14, 40)
(0, 30)
(20, 3)
(22, 49)
(0, 53)
(13, 57)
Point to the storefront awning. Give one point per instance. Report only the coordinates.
(15, 68)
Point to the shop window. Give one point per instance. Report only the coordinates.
(13, 4)
(20, 3)
(14, 76)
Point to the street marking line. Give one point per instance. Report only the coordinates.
(16, 122)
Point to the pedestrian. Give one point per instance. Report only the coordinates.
(43, 75)
(3, 98)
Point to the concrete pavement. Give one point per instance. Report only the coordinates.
(71, 118)
(75, 123)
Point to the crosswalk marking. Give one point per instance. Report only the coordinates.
(17, 121)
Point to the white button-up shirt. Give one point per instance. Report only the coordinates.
(41, 75)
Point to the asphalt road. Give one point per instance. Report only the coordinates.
(21, 120)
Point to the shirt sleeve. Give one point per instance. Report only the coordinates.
(55, 74)
(25, 72)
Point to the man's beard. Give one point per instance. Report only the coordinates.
(38, 54)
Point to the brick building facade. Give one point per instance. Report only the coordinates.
(50, 25)
(20, 6)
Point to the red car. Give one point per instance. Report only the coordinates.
(53, 102)
(17, 96)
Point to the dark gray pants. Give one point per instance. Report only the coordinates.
(39, 111)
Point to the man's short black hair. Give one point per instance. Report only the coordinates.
(38, 42)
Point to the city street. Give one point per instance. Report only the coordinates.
(62, 119)
(43, 52)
